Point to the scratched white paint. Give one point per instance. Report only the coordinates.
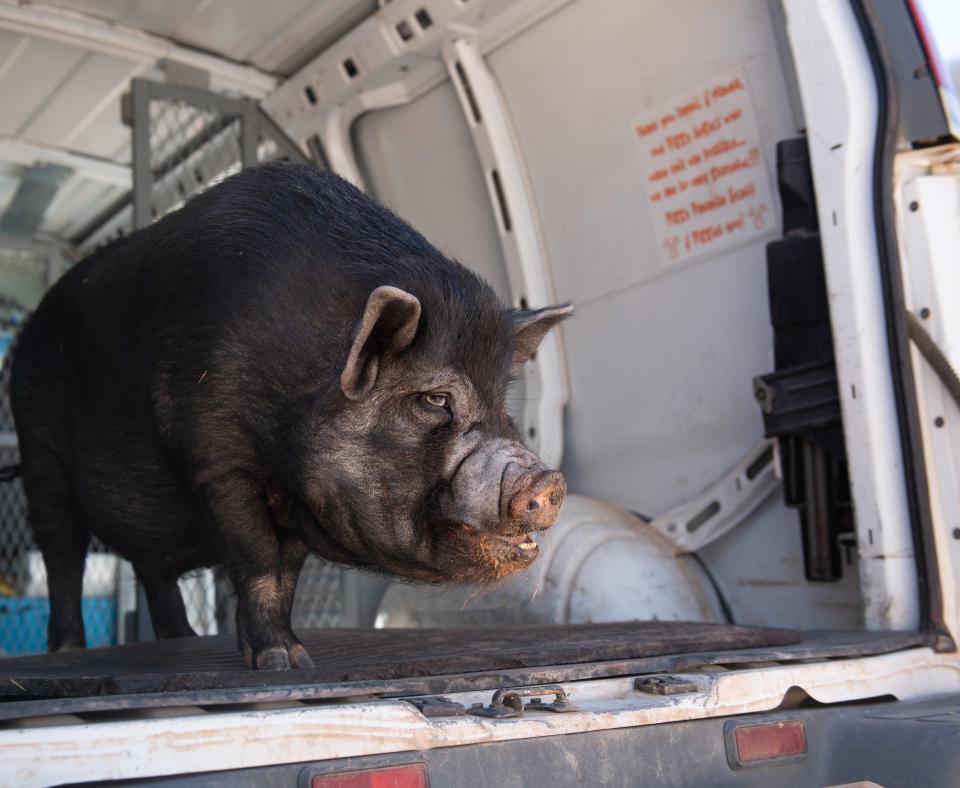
(840, 104)
(927, 200)
(197, 741)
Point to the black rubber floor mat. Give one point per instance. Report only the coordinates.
(366, 655)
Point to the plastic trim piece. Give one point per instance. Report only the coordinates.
(889, 125)
(725, 504)
(524, 252)
(842, 107)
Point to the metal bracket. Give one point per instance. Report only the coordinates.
(508, 702)
(799, 398)
(437, 706)
(664, 685)
(725, 504)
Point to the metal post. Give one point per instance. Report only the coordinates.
(142, 173)
(249, 135)
(144, 624)
(141, 628)
(142, 216)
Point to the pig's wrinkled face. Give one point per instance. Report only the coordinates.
(420, 471)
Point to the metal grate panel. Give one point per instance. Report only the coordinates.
(319, 598)
(185, 140)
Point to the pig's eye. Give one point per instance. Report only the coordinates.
(440, 401)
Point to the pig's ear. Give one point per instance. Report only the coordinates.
(389, 322)
(529, 329)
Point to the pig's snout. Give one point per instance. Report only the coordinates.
(536, 500)
(502, 488)
(501, 494)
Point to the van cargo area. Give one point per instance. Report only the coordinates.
(761, 522)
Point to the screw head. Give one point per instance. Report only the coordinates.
(956, 533)
(938, 422)
(924, 313)
(914, 206)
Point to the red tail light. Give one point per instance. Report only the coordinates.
(938, 67)
(932, 40)
(748, 745)
(411, 776)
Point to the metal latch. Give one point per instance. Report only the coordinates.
(509, 703)
(437, 706)
(664, 685)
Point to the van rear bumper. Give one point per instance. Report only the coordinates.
(889, 743)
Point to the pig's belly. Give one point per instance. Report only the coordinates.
(147, 515)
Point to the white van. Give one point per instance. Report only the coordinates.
(754, 206)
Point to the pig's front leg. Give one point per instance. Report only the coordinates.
(253, 558)
(293, 552)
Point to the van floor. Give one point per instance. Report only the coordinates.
(384, 662)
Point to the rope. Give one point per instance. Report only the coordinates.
(938, 362)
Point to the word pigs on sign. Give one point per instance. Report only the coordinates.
(706, 182)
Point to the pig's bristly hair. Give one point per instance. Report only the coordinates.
(275, 217)
(179, 395)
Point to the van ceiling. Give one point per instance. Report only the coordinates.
(277, 36)
(64, 152)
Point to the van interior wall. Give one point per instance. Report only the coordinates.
(661, 355)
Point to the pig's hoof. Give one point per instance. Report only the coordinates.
(299, 658)
(67, 647)
(278, 658)
(273, 659)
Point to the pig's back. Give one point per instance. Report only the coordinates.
(49, 365)
(262, 276)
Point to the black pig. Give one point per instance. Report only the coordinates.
(280, 366)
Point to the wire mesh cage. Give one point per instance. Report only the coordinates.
(185, 140)
(191, 149)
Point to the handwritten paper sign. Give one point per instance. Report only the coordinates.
(706, 182)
